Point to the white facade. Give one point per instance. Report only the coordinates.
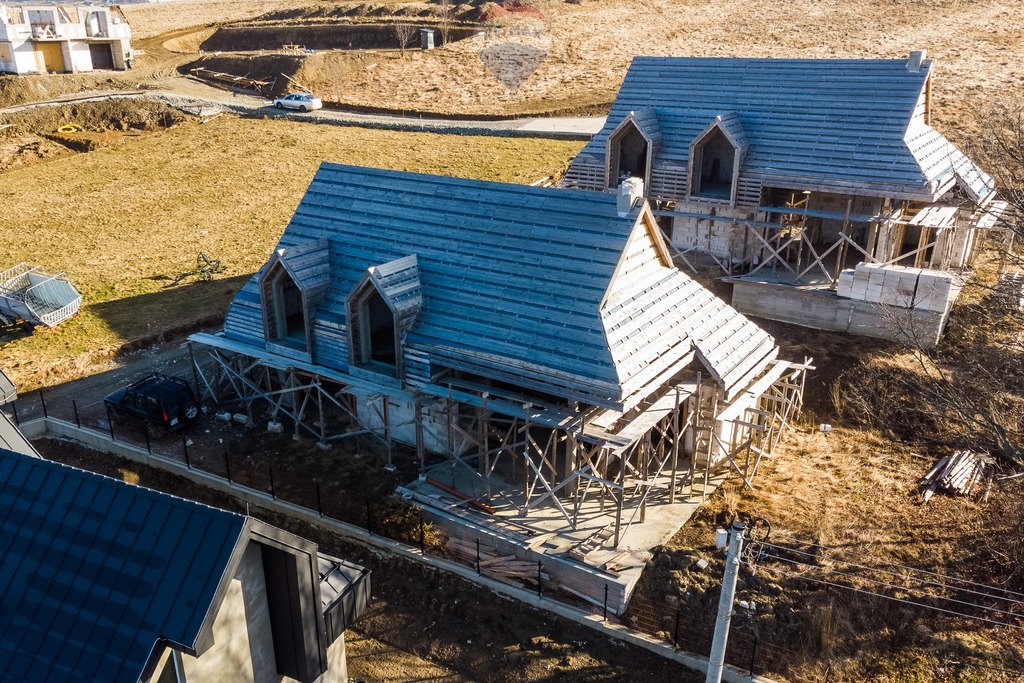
(62, 39)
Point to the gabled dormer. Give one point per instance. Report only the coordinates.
(291, 286)
(631, 148)
(714, 161)
(380, 310)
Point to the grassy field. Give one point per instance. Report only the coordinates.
(589, 44)
(127, 222)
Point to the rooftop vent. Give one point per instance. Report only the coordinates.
(630, 191)
(915, 60)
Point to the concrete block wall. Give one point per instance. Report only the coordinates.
(899, 286)
(719, 238)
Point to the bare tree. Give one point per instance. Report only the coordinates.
(967, 392)
(446, 18)
(404, 32)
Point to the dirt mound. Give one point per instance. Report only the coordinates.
(338, 36)
(96, 117)
(494, 12)
(21, 150)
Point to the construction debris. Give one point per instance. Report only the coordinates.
(232, 81)
(958, 473)
(505, 568)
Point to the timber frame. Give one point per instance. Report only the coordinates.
(559, 458)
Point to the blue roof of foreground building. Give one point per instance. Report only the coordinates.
(94, 571)
(834, 124)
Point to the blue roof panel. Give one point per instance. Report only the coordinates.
(839, 122)
(94, 571)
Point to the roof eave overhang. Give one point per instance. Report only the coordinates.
(925, 193)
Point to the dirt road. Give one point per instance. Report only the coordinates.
(182, 91)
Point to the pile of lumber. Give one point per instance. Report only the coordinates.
(232, 81)
(506, 568)
(958, 473)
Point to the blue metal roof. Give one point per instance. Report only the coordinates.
(509, 281)
(840, 124)
(94, 571)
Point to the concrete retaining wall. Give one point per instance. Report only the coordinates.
(60, 429)
(824, 310)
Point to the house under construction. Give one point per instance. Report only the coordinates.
(583, 393)
(62, 38)
(818, 187)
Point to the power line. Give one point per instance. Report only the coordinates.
(898, 588)
(909, 602)
(925, 571)
(902, 588)
(882, 568)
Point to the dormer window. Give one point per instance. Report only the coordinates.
(290, 288)
(285, 311)
(631, 147)
(715, 157)
(381, 308)
(374, 332)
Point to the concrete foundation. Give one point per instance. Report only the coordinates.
(822, 309)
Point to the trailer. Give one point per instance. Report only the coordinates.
(31, 296)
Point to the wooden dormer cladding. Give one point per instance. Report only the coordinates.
(715, 158)
(291, 286)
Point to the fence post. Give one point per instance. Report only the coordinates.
(753, 656)
(540, 588)
(604, 614)
(227, 464)
(17, 418)
(270, 468)
(423, 545)
(42, 401)
(675, 631)
(478, 556)
(145, 432)
(78, 420)
(319, 500)
(184, 447)
(110, 423)
(369, 517)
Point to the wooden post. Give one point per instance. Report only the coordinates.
(619, 500)
(418, 423)
(386, 416)
(676, 437)
(843, 246)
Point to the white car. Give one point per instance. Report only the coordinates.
(300, 101)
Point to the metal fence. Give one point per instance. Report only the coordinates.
(313, 488)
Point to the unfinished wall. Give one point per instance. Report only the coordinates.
(401, 415)
(718, 238)
(822, 309)
(243, 648)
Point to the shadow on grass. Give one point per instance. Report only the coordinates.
(169, 313)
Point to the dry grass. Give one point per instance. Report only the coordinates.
(856, 493)
(592, 42)
(149, 20)
(125, 222)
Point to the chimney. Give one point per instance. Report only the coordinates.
(630, 191)
(916, 60)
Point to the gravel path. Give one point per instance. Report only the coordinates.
(187, 93)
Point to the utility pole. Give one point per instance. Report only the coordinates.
(716, 662)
